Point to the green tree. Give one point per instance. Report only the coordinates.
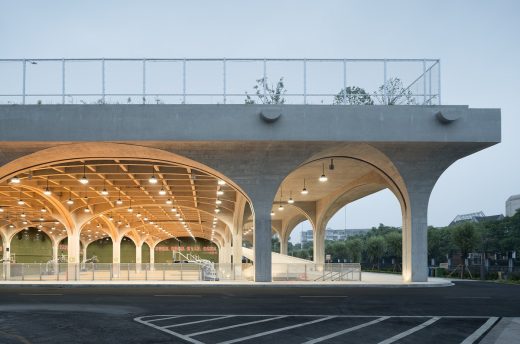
(354, 248)
(392, 92)
(375, 249)
(353, 95)
(267, 94)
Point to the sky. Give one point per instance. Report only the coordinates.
(477, 42)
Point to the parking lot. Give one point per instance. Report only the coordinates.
(310, 329)
(254, 314)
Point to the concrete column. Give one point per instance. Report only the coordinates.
(319, 245)
(415, 238)
(116, 256)
(237, 254)
(262, 240)
(84, 252)
(55, 249)
(138, 256)
(152, 256)
(284, 243)
(7, 259)
(73, 249)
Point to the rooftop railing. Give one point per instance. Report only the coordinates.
(220, 81)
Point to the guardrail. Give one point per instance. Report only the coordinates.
(220, 81)
(61, 272)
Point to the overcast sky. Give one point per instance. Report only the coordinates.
(477, 42)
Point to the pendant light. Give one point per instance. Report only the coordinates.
(323, 178)
(15, 180)
(162, 192)
(304, 190)
(84, 179)
(70, 201)
(104, 192)
(153, 179)
(47, 191)
(291, 200)
(119, 201)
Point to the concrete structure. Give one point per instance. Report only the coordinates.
(512, 205)
(264, 164)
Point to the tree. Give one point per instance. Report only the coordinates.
(392, 92)
(275, 243)
(354, 248)
(465, 237)
(353, 95)
(267, 94)
(375, 249)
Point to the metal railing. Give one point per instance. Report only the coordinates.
(220, 81)
(61, 272)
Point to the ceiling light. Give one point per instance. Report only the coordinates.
(272, 213)
(1, 210)
(138, 215)
(152, 179)
(323, 177)
(290, 200)
(178, 215)
(130, 209)
(47, 192)
(21, 202)
(104, 192)
(280, 207)
(218, 201)
(169, 201)
(86, 210)
(84, 179)
(221, 182)
(162, 192)
(304, 190)
(23, 215)
(15, 180)
(217, 210)
(220, 192)
(174, 210)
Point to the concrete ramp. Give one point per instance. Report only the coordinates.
(277, 258)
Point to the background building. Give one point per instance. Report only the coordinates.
(332, 234)
(475, 217)
(512, 205)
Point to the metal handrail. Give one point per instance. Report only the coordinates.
(429, 93)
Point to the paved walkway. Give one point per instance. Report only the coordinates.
(507, 331)
(368, 279)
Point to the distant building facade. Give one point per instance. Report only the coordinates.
(512, 205)
(332, 234)
(475, 218)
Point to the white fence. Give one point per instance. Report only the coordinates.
(220, 81)
(174, 272)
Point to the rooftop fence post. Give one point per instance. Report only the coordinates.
(439, 81)
(184, 81)
(345, 81)
(305, 81)
(424, 80)
(385, 102)
(63, 81)
(24, 72)
(224, 78)
(265, 77)
(144, 81)
(103, 80)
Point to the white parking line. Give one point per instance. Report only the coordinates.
(322, 296)
(198, 321)
(480, 331)
(178, 335)
(409, 332)
(350, 329)
(42, 294)
(176, 295)
(261, 334)
(234, 326)
(172, 317)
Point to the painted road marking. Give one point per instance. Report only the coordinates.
(322, 296)
(466, 297)
(198, 321)
(42, 294)
(151, 321)
(235, 326)
(480, 331)
(350, 329)
(261, 334)
(410, 331)
(176, 295)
